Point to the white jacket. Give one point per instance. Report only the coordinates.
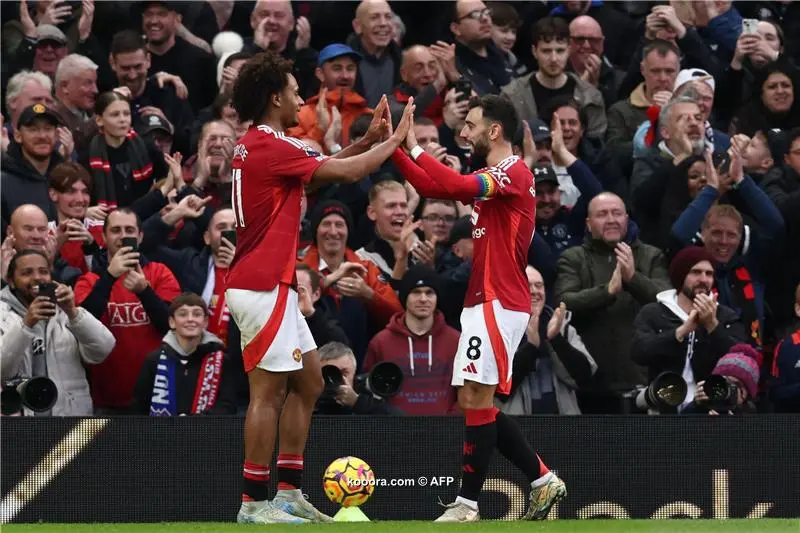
(68, 345)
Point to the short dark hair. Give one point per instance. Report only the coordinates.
(263, 76)
(504, 15)
(424, 121)
(498, 109)
(564, 101)
(661, 47)
(316, 279)
(189, 299)
(12, 266)
(66, 174)
(793, 135)
(125, 211)
(236, 56)
(126, 42)
(778, 29)
(433, 201)
(550, 29)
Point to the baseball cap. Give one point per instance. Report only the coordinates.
(544, 174)
(153, 122)
(462, 229)
(48, 32)
(539, 129)
(689, 74)
(35, 111)
(778, 143)
(332, 51)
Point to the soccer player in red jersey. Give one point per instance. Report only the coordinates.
(497, 304)
(270, 172)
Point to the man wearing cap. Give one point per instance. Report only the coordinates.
(337, 105)
(420, 342)
(27, 164)
(362, 296)
(563, 227)
(157, 129)
(43, 50)
(686, 330)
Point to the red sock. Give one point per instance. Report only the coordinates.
(255, 478)
(542, 467)
(290, 471)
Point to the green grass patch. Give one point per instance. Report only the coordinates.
(556, 526)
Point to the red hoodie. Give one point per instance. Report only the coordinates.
(426, 361)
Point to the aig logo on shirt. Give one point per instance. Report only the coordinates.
(127, 315)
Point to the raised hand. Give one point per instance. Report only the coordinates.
(124, 261)
(65, 297)
(41, 308)
(345, 269)
(615, 284)
(56, 13)
(304, 301)
(333, 136)
(7, 253)
(260, 36)
(425, 251)
(712, 177)
(625, 261)
(556, 321)
(65, 139)
(181, 90)
(303, 29)
(380, 125)
(86, 20)
(97, 212)
(323, 115)
(225, 253)
(405, 129)
(28, 25)
(135, 280)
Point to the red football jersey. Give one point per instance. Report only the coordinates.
(502, 230)
(269, 172)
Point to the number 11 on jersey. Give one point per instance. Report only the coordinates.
(236, 197)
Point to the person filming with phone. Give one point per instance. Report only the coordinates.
(43, 333)
(130, 295)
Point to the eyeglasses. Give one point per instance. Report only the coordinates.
(449, 219)
(580, 39)
(477, 14)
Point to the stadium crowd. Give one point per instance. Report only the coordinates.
(664, 138)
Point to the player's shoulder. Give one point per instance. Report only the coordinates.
(510, 172)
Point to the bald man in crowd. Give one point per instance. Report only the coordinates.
(587, 57)
(379, 70)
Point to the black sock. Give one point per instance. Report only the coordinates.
(514, 447)
(255, 478)
(480, 438)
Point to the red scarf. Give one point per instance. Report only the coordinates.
(205, 395)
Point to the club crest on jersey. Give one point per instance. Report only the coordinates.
(297, 354)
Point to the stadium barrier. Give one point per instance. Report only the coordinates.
(189, 469)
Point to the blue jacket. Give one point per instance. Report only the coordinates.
(566, 229)
(785, 390)
(757, 246)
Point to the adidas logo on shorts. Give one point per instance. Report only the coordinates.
(470, 369)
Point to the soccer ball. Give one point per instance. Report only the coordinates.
(349, 481)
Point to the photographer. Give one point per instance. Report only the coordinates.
(344, 400)
(43, 333)
(206, 384)
(735, 394)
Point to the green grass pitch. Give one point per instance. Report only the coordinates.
(557, 526)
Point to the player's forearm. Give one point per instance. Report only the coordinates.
(422, 182)
(353, 149)
(357, 167)
(456, 184)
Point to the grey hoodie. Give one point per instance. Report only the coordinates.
(68, 344)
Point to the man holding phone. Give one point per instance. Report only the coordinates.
(34, 308)
(131, 297)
